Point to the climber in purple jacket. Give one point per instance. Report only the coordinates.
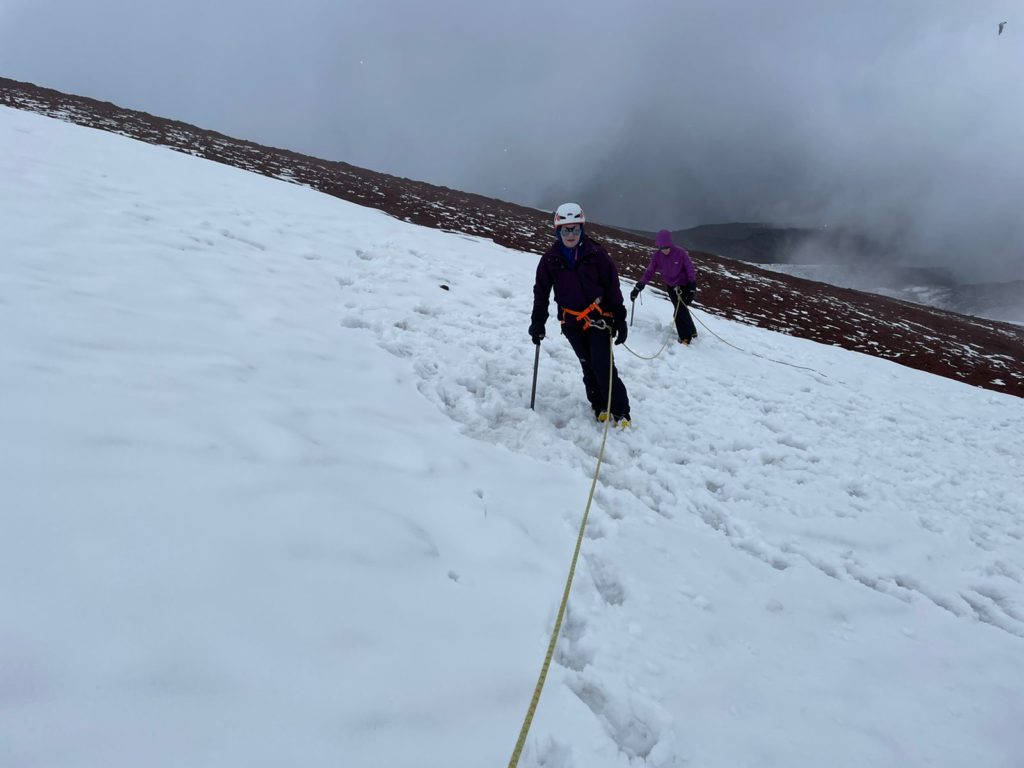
(673, 262)
(585, 281)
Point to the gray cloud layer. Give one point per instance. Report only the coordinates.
(903, 118)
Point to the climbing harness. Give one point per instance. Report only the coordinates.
(535, 699)
(584, 316)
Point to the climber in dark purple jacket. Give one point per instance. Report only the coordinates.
(586, 285)
(676, 268)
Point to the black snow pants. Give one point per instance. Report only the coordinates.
(592, 348)
(684, 323)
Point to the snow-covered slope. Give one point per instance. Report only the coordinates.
(274, 496)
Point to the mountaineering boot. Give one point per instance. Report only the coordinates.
(602, 416)
(623, 422)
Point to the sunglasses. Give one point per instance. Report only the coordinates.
(573, 229)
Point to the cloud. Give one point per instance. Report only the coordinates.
(900, 118)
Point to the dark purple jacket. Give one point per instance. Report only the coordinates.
(594, 277)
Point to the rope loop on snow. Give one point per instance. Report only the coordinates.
(535, 699)
(693, 310)
(763, 357)
(668, 337)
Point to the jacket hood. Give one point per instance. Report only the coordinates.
(663, 239)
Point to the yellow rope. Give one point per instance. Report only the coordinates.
(728, 343)
(668, 337)
(521, 741)
(755, 354)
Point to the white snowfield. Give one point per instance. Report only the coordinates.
(271, 496)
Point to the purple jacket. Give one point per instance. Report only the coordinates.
(675, 267)
(594, 277)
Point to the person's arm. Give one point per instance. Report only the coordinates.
(691, 272)
(541, 294)
(643, 281)
(618, 307)
(541, 298)
(688, 292)
(652, 268)
(612, 289)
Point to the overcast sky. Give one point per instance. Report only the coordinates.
(902, 117)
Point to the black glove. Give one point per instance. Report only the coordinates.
(636, 291)
(536, 332)
(620, 330)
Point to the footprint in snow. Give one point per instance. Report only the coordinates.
(632, 723)
(550, 754)
(608, 585)
(354, 321)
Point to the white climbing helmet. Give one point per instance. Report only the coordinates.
(569, 213)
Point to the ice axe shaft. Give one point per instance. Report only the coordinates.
(536, 363)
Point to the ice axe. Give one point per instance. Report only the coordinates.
(536, 363)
